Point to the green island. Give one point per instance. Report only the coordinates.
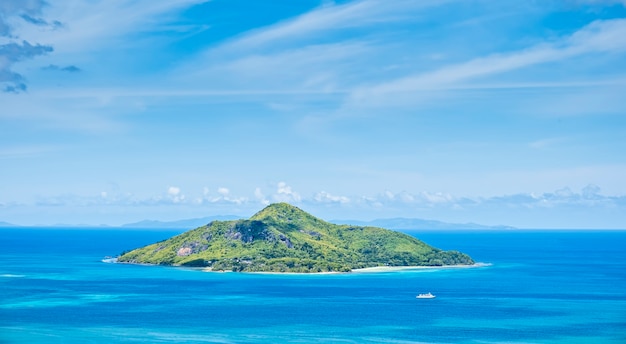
(284, 238)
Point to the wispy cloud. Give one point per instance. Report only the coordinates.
(28, 10)
(297, 54)
(598, 37)
(314, 68)
(70, 68)
(331, 17)
(12, 53)
(27, 150)
(55, 24)
(92, 26)
(95, 25)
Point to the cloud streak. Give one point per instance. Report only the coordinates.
(331, 17)
(608, 36)
(97, 25)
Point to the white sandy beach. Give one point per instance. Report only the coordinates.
(410, 268)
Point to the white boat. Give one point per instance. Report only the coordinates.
(425, 296)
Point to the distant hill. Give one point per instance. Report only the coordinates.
(401, 223)
(6, 224)
(284, 238)
(179, 224)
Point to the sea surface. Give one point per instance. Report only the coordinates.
(541, 287)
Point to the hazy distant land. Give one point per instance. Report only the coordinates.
(389, 223)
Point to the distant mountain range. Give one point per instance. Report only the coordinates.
(392, 223)
(417, 224)
(180, 224)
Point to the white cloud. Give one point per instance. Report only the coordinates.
(404, 198)
(258, 194)
(284, 193)
(223, 197)
(437, 197)
(591, 191)
(175, 195)
(173, 191)
(325, 197)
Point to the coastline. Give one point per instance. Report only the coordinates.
(374, 269)
(418, 267)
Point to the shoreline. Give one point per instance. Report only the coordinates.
(418, 267)
(374, 269)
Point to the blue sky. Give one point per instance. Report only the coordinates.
(495, 112)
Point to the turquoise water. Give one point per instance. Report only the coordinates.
(542, 287)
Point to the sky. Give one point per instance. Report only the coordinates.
(486, 111)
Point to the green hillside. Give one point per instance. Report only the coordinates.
(284, 238)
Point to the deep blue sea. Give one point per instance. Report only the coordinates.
(542, 287)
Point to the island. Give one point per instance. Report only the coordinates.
(284, 238)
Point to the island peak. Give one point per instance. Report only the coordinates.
(284, 213)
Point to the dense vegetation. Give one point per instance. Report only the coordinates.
(283, 238)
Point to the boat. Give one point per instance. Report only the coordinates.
(425, 296)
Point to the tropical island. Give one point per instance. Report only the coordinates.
(284, 238)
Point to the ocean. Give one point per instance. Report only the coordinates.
(541, 287)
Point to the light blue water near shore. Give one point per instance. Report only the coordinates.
(543, 287)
